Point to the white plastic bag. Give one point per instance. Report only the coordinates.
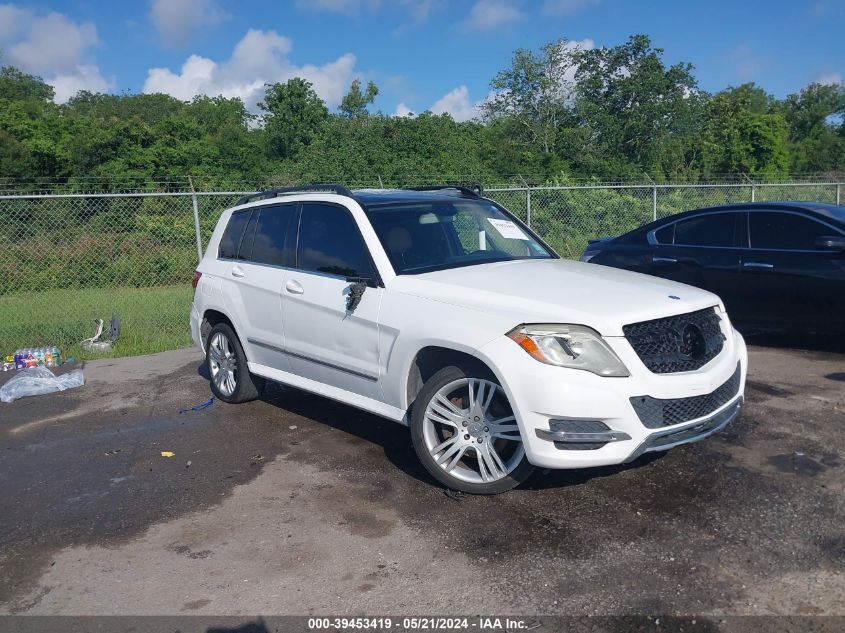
(35, 381)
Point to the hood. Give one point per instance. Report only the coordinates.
(558, 291)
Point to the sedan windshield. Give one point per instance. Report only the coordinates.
(439, 234)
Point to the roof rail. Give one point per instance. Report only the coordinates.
(474, 190)
(290, 191)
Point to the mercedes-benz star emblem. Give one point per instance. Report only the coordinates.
(692, 343)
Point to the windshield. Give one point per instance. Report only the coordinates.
(440, 234)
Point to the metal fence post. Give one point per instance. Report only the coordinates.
(528, 206)
(753, 193)
(838, 192)
(196, 220)
(654, 202)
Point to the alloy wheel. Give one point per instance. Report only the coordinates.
(471, 432)
(223, 364)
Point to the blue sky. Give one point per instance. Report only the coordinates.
(423, 54)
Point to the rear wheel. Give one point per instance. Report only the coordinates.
(231, 380)
(465, 433)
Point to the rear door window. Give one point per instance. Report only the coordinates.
(231, 240)
(330, 242)
(666, 235)
(785, 231)
(713, 229)
(273, 242)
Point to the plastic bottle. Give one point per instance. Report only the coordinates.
(48, 357)
(19, 364)
(57, 357)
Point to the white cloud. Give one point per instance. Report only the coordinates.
(259, 57)
(350, 7)
(11, 20)
(457, 104)
(402, 110)
(45, 43)
(421, 9)
(745, 63)
(488, 14)
(829, 79)
(176, 20)
(86, 77)
(566, 7)
(53, 46)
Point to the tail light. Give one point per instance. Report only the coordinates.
(196, 280)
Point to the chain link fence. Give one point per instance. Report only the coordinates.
(69, 259)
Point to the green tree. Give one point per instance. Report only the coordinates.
(354, 103)
(534, 94)
(631, 104)
(293, 117)
(16, 85)
(816, 120)
(740, 136)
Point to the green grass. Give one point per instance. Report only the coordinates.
(152, 319)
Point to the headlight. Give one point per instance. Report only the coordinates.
(573, 346)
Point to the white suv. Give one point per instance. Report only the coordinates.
(440, 310)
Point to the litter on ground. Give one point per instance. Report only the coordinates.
(36, 381)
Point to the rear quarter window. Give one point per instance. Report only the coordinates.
(665, 235)
(231, 239)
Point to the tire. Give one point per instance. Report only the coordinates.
(231, 380)
(453, 433)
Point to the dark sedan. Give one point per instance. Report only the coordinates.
(778, 266)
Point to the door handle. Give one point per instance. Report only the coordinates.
(664, 260)
(294, 287)
(757, 265)
(237, 271)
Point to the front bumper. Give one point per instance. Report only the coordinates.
(575, 419)
(689, 432)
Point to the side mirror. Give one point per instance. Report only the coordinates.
(369, 282)
(831, 242)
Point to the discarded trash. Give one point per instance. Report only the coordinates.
(35, 381)
(188, 464)
(292, 427)
(168, 454)
(113, 452)
(94, 344)
(199, 407)
(49, 356)
(453, 494)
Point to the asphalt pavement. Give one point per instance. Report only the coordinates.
(297, 505)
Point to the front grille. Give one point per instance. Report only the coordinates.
(655, 413)
(662, 441)
(685, 342)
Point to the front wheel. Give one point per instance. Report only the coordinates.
(465, 433)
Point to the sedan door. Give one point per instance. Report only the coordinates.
(328, 338)
(791, 282)
(701, 250)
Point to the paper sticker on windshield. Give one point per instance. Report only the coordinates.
(508, 229)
